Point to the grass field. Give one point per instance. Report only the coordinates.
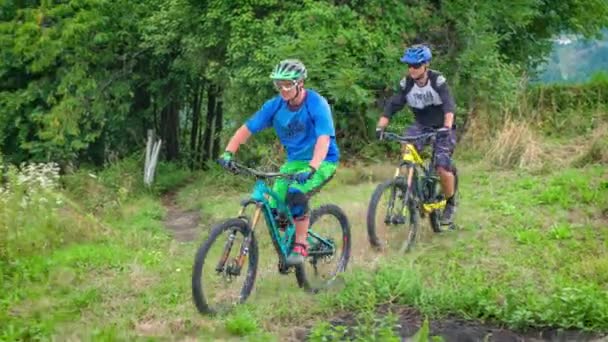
(531, 251)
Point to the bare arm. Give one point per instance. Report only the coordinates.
(321, 148)
(240, 137)
(448, 120)
(383, 122)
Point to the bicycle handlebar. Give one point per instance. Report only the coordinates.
(239, 168)
(407, 138)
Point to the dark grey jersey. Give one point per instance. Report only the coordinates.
(429, 102)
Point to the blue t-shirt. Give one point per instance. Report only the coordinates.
(298, 130)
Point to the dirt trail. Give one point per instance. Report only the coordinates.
(184, 225)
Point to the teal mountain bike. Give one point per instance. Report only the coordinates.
(215, 272)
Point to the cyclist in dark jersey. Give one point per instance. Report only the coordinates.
(426, 92)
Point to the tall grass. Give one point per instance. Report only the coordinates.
(516, 145)
(595, 149)
(31, 217)
(41, 211)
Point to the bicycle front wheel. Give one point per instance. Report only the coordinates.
(223, 276)
(392, 220)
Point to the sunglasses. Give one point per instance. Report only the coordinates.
(415, 66)
(285, 85)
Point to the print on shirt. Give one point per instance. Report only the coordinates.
(294, 128)
(421, 97)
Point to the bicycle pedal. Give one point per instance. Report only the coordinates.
(282, 223)
(400, 220)
(284, 269)
(450, 226)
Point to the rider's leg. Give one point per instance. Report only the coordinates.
(447, 181)
(445, 149)
(298, 204)
(280, 186)
(297, 199)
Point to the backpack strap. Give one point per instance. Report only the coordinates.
(406, 83)
(437, 79)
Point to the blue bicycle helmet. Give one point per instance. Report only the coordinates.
(417, 54)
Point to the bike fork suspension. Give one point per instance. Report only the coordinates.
(410, 174)
(247, 240)
(244, 250)
(408, 189)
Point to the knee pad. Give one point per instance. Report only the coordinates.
(297, 201)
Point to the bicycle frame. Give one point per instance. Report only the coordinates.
(260, 198)
(282, 242)
(414, 165)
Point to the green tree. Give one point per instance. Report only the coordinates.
(83, 80)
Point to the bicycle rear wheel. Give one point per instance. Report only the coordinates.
(329, 248)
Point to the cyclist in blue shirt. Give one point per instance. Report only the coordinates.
(303, 122)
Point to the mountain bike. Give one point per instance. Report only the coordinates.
(323, 250)
(413, 193)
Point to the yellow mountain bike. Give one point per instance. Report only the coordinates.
(413, 193)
